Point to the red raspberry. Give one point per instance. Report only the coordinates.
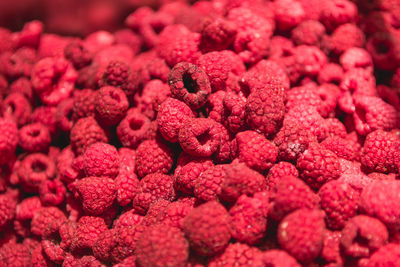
(198, 223)
(331, 250)
(129, 261)
(35, 169)
(340, 203)
(380, 199)
(190, 84)
(238, 255)
(344, 37)
(84, 104)
(17, 64)
(240, 180)
(126, 182)
(288, 14)
(249, 218)
(23, 86)
(280, 47)
(301, 234)
(46, 116)
(305, 95)
(29, 35)
(7, 210)
(17, 108)
(318, 166)
(152, 187)
(127, 219)
(85, 261)
(65, 165)
(208, 185)
(279, 170)
(111, 105)
(265, 110)
(162, 245)
(154, 93)
(8, 139)
(330, 73)
(176, 212)
(337, 12)
(27, 208)
(384, 50)
(101, 159)
(153, 156)
(43, 217)
(96, 194)
(153, 69)
(53, 79)
(86, 132)
(354, 58)
(63, 115)
(52, 192)
(276, 257)
(88, 229)
(385, 256)
(77, 54)
(217, 35)
(290, 194)
(34, 137)
(334, 127)
(52, 45)
(233, 113)
(309, 60)
(381, 152)
(13, 255)
(308, 32)
(156, 212)
(344, 148)
(255, 150)
(222, 68)
(329, 94)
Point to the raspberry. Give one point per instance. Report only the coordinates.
(381, 152)
(52, 192)
(43, 217)
(344, 37)
(240, 180)
(200, 220)
(17, 108)
(280, 47)
(190, 84)
(96, 194)
(340, 203)
(301, 234)
(233, 112)
(84, 261)
(153, 69)
(128, 219)
(119, 74)
(331, 250)
(17, 64)
(337, 12)
(53, 79)
(354, 58)
(288, 14)
(308, 32)
(8, 139)
(265, 110)
(154, 93)
(309, 60)
(255, 150)
(30, 34)
(379, 199)
(238, 255)
(128, 261)
(249, 218)
(383, 48)
(176, 212)
(162, 245)
(152, 187)
(86, 132)
(344, 148)
(335, 128)
(23, 86)
(330, 73)
(88, 229)
(153, 156)
(290, 194)
(318, 166)
(111, 105)
(7, 210)
(208, 184)
(222, 68)
(217, 35)
(385, 256)
(84, 104)
(63, 115)
(329, 94)
(34, 169)
(77, 54)
(13, 255)
(27, 208)
(279, 170)
(171, 116)
(34, 137)
(101, 159)
(276, 257)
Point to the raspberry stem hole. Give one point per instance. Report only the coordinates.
(38, 166)
(136, 124)
(190, 85)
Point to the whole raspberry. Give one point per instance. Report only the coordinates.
(318, 165)
(8, 139)
(290, 194)
(340, 203)
(190, 84)
(222, 68)
(127, 219)
(77, 54)
(208, 185)
(238, 255)
(84, 133)
(276, 257)
(330, 73)
(128, 261)
(380, 199)
(386, 256)
(176, 212)
(384, 50)
(63, 115)
(110, 105)
(43, 217)
(354, 58)
(265, 110)
(309, 60)
(337, 12)
(198, 223)
(301, 234)
(17, 108)
(171, 116)
(239, 180)
(308, 32)
(34, 137)
(88, 229)
(27, 208)
(249, 218)
(14, 255)
(153, 156)
(381, 152)
(162, 245)
(52, 192)
(233, 112)
(344, 37)
(279, 170)
(17, 64)
(23, 86)
(101, 159)
(84, 102)
(329, 94)
(7, 210)
(154, 93)
(265, 72)
(288, 14)
(255, 150)
(335, 127)
(152, 187)
(35, 169)
(96, 194)
(344, 148)
(217, 35)
(331, 252)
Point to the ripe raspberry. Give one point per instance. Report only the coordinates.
(335, 128)
(152, 187)
(43, 217)
(63, 115)
(17, 108)
(17, 64)
(344, 37)
(208, 185)
(7, 210)
(176, 212)
(354, 58)
(162, 245)
(27, 208)
(217, 35)
(127, 219)
(318, 166)
(238, 255)
(8, 139)
(381, 152)
(153, 156)
(96, 194)
(331, 252)
(279, 170)
(88, 229)
(84, 104)
(330, 73)
(301, 234)
(255, 150)
(344, 148)
(23, 86)
(233, 112)
(335, 13)
(101, 159)
(13, 255)
(77, 54)
(309, 60)
(276, 257)
(34, 137)
(288, 14)
(86, 132)
(308, 32)
(198, 223)
(240, 180)
(249, 218)
(290, 194)
(385, 256)
(129, 261)
(111, 105)
(384, 49)
(340, 203)
(280, 47)
(154, 93)
(52, 192)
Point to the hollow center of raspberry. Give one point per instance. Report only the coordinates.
(11, 107)
(56, 78)
(34, 133)
(157, 27)
(381, 47)
(204, 138)
(190, 85)
(136, 124)
(38, 166)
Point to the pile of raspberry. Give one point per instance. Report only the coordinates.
(214, 133)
